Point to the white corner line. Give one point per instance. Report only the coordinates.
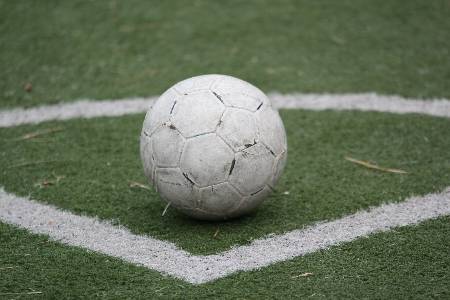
(363, 102)
(165, 257)
(78, 109)
(110, 108)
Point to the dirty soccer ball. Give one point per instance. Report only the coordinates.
(213, 147)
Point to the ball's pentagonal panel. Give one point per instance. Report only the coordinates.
(206, 159)
(161, 111)
(147, 157)
(174, 187)
(252, 169)
(219, 199)
(271, 130)
(197, 113)
(213, 146)
(238, 128)
(242, 101)
(280, 162)
(195, 84)
(250, 203)
(167, 145)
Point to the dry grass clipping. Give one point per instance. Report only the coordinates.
(165, 209)
(135, 184)
(39, 133)
(216, 233)
(33, 163)
(374, 167)
(307, 274)
(48, 182)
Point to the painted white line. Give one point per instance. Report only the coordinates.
(363, 102)
(109, 108)
(72, 110)
(165, 257)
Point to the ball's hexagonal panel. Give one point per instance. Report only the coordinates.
(206, 159)
(195, 84)
(250, 203)
(228, 85)
(161, 111)
(252, 169)
(167, 145)
(238, 128)
(197, 113)
(174, 187)
(242, 101)
(219, 199)
(147, 157)
(280, 162)
(271, 130)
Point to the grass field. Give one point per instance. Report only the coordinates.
(113, 50)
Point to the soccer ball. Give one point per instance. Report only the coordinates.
(213, 147)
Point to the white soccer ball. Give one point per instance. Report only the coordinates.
(213, 146)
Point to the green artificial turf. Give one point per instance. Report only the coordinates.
(69, 50)
(406, 263)
(99, 157)
(111, 49)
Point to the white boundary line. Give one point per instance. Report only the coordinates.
(72, 110)
(165, 257)
(363, 102)
(109, 108)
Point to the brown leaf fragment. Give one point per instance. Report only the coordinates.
(28, 87)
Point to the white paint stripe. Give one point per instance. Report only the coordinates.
(363, 102)
(78, 109)
(108, 108)
(165, 257)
